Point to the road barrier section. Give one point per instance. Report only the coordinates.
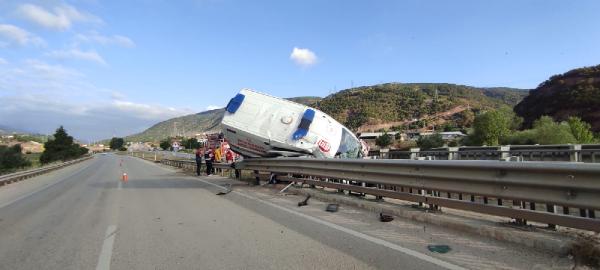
(18, 176)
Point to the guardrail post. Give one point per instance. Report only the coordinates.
(384, 153)
(414, 153)
(504, 151)
(453, 153)
(575, 152)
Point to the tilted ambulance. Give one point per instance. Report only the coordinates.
(260, 125)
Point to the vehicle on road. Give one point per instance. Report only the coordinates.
(260, 125)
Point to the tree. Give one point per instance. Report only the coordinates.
(61, 148)
(580, 130)
(191, 143)
(549, 132)
(384, 140)
(165, 144)
(116, 143)
(430, 141)
(492, 126)
(12, 158)
(355, 119)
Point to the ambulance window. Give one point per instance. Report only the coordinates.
(349, 145)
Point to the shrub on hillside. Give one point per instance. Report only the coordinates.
(431, 141)
(12, 158)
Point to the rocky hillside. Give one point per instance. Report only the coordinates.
(575, 93)
(189, 125)
(378, 105)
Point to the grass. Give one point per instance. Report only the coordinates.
(34, 158)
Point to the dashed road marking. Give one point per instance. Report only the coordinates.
(107, 247)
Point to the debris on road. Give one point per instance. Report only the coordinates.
(385, 218)
(332, 207)
(226, 191)
(305, 202)
(439, 248)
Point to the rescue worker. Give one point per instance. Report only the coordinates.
(198, 160)
(208, 159)
(229, 156)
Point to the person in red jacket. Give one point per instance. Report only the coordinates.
(229, 156)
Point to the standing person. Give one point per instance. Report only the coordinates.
(229, 156)
(208, 158)
(198, 160)
(238, 172)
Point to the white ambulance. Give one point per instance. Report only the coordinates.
(260, 125)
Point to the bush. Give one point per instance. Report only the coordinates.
(12, 158)
(525, 137)
(581, 130)
(116, 143)
(384, 140)
(165, 145)
(549, 132)
(431, 141)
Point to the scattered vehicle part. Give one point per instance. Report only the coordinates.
(332, 207)
(305, 202)
(439, 248)
(385, 218)
(226, 191)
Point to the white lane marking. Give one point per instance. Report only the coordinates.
(107, 247)
(363, 236)
(120, 185)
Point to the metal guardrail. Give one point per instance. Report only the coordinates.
(589, 153)
(546, 192)
(566, 185)
(18, 176)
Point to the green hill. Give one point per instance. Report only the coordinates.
(397, 102)
(574, 93)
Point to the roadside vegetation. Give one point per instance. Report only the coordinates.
(502, 127)
(12, 158)
(61, 148)
(117, 144)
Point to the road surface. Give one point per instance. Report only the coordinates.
(84, 217)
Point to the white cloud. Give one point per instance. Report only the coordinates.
(38, 96)
(213, 107)
(105, 40)
(77, 54)
(3, 61)
(32, 76)
(303, 57)
(15, 35)
(97, 120)
(60, 18)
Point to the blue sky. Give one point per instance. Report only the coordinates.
(105, 68)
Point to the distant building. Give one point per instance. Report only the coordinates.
(447, 135)
(375, 135)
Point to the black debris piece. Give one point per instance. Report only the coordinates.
(305, 202)
(439, 248)
(332, 207)
(385, 218)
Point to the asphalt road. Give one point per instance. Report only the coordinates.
(84, 217)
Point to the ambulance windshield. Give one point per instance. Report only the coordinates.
(349, 145)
